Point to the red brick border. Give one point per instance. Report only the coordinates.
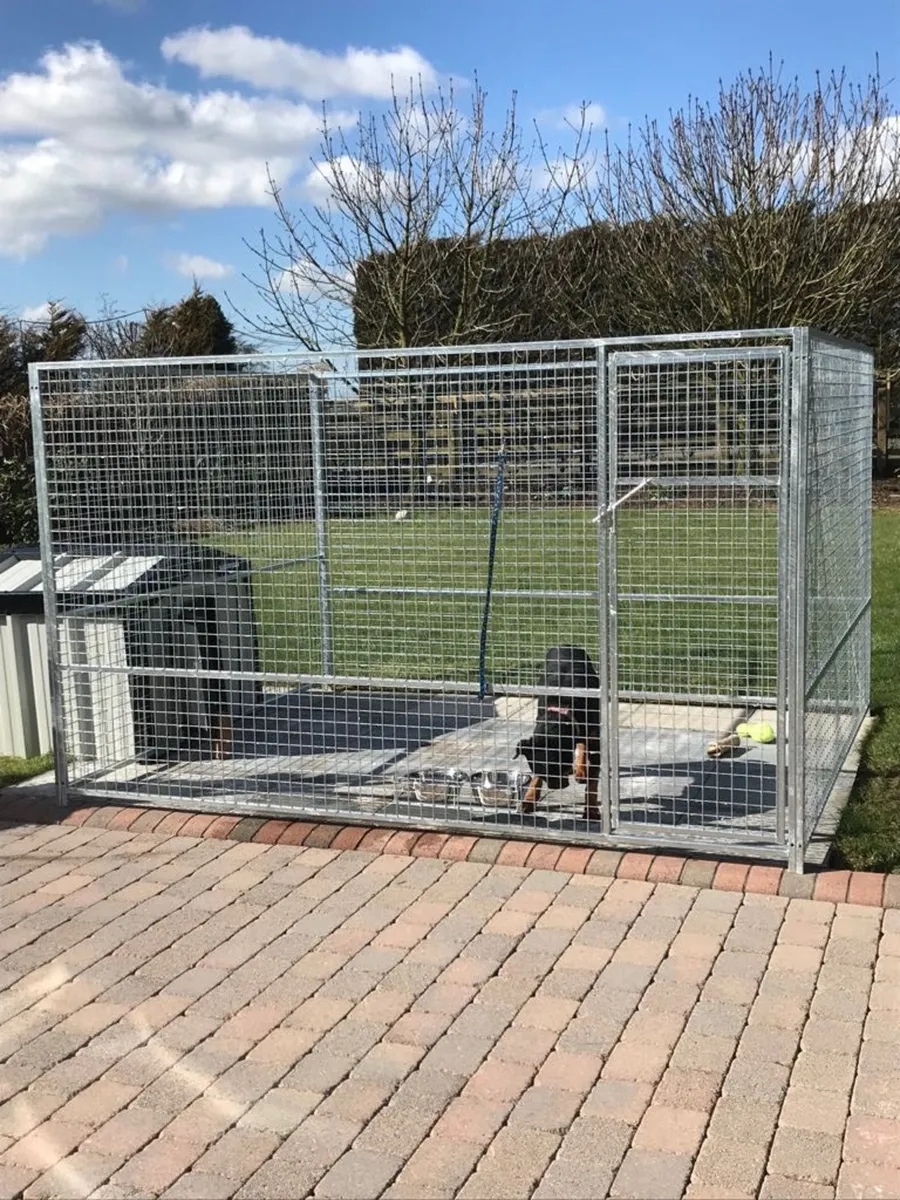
(851, 887)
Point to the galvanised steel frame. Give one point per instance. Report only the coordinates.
(724, 572)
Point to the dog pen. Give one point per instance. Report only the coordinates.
(361, 560)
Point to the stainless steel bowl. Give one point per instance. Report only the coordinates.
(437, 786)
(496, 788)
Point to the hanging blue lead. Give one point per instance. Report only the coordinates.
(496, 506)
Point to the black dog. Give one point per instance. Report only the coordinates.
(566, 737)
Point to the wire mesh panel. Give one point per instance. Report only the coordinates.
(342, 576)
(837, 563)
(697, 448)
(534, 587)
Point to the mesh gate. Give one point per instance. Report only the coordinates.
(521, 587)
(696, 629)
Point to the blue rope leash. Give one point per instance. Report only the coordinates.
(496, 506)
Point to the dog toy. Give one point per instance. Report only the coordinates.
(723, 746)
(758, 731)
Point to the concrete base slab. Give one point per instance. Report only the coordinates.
(351, 755)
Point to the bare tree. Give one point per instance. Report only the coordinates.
(196, 325)
(417, 201)
(114, 334)
(772, 206)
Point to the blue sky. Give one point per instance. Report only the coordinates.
(135, 153)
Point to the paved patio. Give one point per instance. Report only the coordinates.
(204, 1018)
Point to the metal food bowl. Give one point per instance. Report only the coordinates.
(437, 786)
(500, 787)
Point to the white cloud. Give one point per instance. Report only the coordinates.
(36, 312)
(593, 114)
(197, 266)
(312, 282)
(122, 263)
(352, 178)
(85, 141)
(270, 62)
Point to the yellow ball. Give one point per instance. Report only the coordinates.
(758, 731)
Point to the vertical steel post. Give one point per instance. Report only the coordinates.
(51, 616)
(607, 717)
(320, 508)
(783, 568)
(610, 595)
(795, 583)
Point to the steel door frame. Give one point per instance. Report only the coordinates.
(611, 505)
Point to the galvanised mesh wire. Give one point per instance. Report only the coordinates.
(838, 561)
(268, 584)
(697, 454)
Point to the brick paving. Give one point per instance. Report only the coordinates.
(185, 1014)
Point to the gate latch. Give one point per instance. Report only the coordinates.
(611, 508)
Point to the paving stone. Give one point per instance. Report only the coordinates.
(358, 1175)
(618, 1100)
(319, 1141)
(831, 1036)
(419, 1029)
(126, 1133)
(238, 1154)
(649, 1175)
(437, 1169)
(281, 1177)
(570, 1072)
(197, 1186)
(733, 1119)
(356, 1100)
(730, 1166)
(46, 1144)
(471, 1119)
(499, 1080)
(587, 1159)
(318, 1073)
(867, 1181)
(875, 1097)
(512, 1165)
(637, 1061)
(78, 1174)
(827, 1072)
(203, 1121)
(547, 1108)
(756, 1082)
(814, 1110)
(551, 1013)
(803, 1154)
(770, 1043)
(874, 1140)
(388, 1062)
(717, 1019)
(97, 1103)
(527, 1046)
(703, 1052)
(777, 1187)
(157, 1166)
(669, 1130)
(14, 1180)
(23, 1112)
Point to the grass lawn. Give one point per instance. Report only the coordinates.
(869, 834)
(14, 770)
(664, 644)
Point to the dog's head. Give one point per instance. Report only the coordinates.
(550, 750)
